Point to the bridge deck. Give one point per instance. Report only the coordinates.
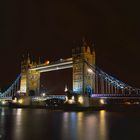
(58, 65)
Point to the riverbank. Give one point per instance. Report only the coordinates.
(66, 107)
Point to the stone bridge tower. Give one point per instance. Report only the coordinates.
(83, 74)
(30, 79)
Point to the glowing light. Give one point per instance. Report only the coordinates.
(66, 99)
(81, 100)
(43, 94)
(53, 65)
(15, 100)
(72, 97)
(18, 91)
(66, 88)
(122, 87)
(102, 112)
(3, 102)
(47, 62)
(70, 101)
(20, 101)
(90, 71)
(102, 101)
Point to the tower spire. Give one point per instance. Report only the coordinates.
(66, 88)
(28, 59)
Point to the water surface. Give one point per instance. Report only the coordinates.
(41, 124)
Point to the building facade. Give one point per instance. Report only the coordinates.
(83, 72)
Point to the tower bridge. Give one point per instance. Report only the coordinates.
(88, 79)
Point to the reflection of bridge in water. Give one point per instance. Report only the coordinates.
(88, 79)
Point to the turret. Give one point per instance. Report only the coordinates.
(30, 80)
(83, 80)
(28, 60)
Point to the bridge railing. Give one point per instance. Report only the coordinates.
(12, 89)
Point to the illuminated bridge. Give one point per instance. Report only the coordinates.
(88, 79)
(58, 65)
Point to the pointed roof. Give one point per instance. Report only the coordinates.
(28, 59)
(88, 50)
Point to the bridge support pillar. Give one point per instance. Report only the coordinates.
(83, 73)
(30, 79)
(33, 83)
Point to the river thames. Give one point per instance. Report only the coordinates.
(42, 124)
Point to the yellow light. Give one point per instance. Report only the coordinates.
(102, 101)
(81, 100)
(3, 102)
(47, 62)
(90, 71)
(70, 101)
(20, 101)
(15, 100)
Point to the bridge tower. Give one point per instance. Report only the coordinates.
(83, 75)
(30, 79)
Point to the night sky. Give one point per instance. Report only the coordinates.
(50, 29)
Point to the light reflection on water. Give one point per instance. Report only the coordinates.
(84, 125)
(38, 124)
(103, 125)
(17, 128)
(2, 112)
